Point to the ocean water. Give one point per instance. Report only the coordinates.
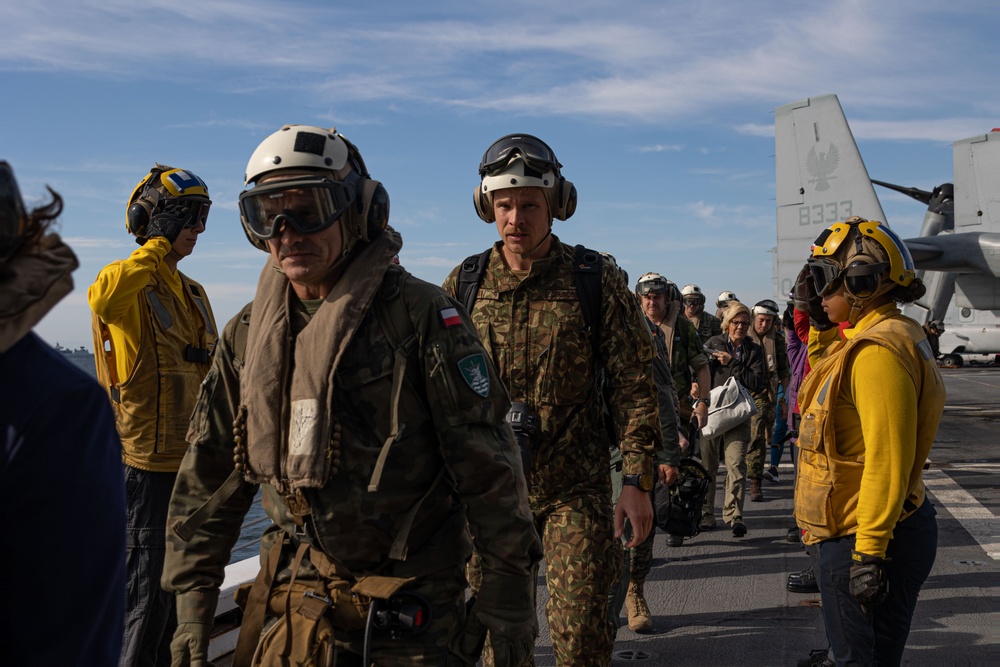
(255, 522)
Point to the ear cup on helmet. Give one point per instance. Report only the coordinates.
(484, 207)
(565, 204)
(375, 201)
(138, 216)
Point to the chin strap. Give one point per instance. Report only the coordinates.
(858, 304)
(529, 255)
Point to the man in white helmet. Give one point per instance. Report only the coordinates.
(707, 324)
(661, 302)
(154, 333)
(530, 312)
(722, 303)
(360, 400)
(764, 332)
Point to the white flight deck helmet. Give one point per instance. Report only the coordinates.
(725, 298)
(523, 161)
(323, 163)
(766, 307)
(693, 291)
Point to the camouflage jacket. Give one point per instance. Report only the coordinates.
(708, 325)
(775, 359)
(453, 424)
(688, 355)
(670, 453)
(534, 330)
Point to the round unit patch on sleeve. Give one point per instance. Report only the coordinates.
(475, 373)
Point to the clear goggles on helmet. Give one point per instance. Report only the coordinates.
(535, 153)
(651, 286)
(860, 279)
(309, 204)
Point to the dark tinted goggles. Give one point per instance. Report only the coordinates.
(309, 204)
(535, 153)
(198, 210)
(860, 279)
(652, 286)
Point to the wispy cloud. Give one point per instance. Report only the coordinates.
(659, 148)
(643, 62)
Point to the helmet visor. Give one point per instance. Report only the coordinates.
(535, 153)
(309, 205)
(197, 209)
(651, 286)
(860, 279)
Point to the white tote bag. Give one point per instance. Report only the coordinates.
(730, 405)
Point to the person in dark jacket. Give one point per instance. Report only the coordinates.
(60, 464)
(732, 354)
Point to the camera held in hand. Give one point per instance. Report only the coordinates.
(524, 423)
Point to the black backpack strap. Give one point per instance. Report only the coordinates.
(470, 277)
(395, 320)
(587, 274)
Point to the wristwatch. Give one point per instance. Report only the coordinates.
(644, 482)
(702, 400)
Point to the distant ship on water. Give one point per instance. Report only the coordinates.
(80, 357)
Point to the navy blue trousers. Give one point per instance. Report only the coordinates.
(150, 616)
(879, 636)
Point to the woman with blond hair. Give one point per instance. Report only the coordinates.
(732, 354)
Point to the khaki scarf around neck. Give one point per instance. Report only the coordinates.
(32, 282)
(668, 325)
(289, 398)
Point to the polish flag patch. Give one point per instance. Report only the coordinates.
(450, 317)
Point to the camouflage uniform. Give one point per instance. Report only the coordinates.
(687, 356)
(453, 455)
(762, 423)
(639, 560)
(708, 325)
(534, 330)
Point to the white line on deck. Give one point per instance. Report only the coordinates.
(977, 520)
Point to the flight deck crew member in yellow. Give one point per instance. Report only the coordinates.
(154, 333)
(870, 410)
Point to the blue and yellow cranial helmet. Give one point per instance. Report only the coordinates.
(859, 254)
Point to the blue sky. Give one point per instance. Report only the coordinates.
(661, 113)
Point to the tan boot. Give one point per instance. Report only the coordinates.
(756, 493)
(638, 610)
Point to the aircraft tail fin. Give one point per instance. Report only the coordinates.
(820, 179)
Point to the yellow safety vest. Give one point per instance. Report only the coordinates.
(154, 404)
(827, 483)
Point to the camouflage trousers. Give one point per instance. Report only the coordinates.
(582, 562)
(761, 427)
(638, 561)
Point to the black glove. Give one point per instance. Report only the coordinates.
(808, 301)
(169, 221)
(869, 584)
(505, 607)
